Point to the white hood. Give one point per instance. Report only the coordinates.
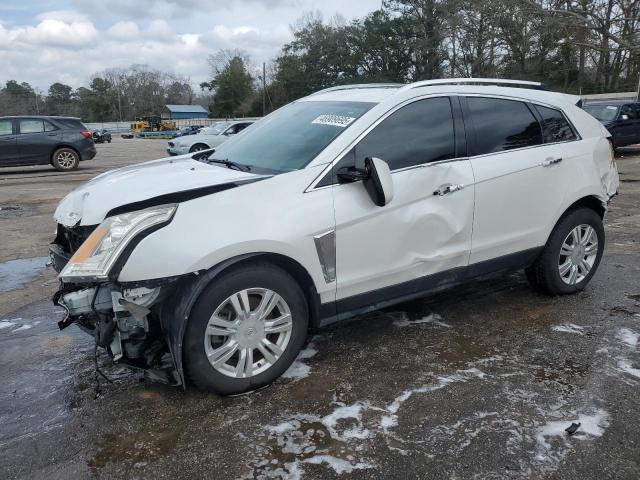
(89, 204)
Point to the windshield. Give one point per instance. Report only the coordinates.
(602, 112)
(291, 137)
(216, 129)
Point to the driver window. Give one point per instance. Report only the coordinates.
(418, 133)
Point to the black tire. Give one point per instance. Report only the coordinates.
(108, 140)
(65, 159)
(544, 275)
(259, 275)
(198, 147)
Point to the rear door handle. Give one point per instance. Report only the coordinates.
(448, 188)
(551, 161)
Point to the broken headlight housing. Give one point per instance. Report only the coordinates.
(97, 255)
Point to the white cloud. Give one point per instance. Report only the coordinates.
(169, 35)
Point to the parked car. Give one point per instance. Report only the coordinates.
(207, 138)
(211, 268)
(101, 136)
(189, 130)
(622, 119)
(36, 140)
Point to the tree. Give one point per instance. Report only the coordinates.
(232, 84)
(59, 100)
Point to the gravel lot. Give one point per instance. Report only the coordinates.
(477, 382)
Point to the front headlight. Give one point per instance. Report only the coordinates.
(95, 257)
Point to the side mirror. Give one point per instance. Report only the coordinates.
(376, 178)
(379, 183)
(624, 117)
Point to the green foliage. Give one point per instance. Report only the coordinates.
(233, 87)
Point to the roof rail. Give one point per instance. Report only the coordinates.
(360, 85)
(483, 81)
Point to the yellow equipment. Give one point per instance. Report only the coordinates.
(152, 123)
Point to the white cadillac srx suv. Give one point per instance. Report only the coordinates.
(211, 268)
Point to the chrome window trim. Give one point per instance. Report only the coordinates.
(312, 186)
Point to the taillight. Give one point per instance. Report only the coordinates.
(86, 134)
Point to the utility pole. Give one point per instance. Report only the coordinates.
(638, 89)
(264, 89)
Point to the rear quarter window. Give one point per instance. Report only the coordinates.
(555, 127)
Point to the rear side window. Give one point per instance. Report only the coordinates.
(555, 127)
(31, 126)
(418, 133)
(503, 125)
(6, 127)
(49, 127)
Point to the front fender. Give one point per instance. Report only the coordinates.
(176, 308)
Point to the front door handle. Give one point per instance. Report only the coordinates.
(551, 161)
(448, 188)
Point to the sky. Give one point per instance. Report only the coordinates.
(47, 41)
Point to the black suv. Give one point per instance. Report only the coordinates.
(622, 119)
(60, 141)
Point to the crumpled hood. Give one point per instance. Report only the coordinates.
(90, 203)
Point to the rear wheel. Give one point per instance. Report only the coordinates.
(65, 159)
(245, 330)
(198, 147)
(571, 256)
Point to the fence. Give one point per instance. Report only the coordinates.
(121, 127)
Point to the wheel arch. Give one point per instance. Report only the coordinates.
(590, 201)
(64, 145)
(176, 309)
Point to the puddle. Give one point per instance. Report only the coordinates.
(133, 449)
(13, 211)
(17, 273)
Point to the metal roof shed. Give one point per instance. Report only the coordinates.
(176, 112)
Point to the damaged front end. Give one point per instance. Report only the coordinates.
(125, 322)
(123, 319)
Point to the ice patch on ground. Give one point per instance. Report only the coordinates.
(591, 426)
(338, 465)
(299, 370)
(626, 367)
(627, 336)
(6, 324)
(568, 328)
(433, 319)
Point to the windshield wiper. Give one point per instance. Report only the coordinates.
(229, 164)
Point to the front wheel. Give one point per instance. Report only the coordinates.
(245, 330)
(198, 147)
(571, 256)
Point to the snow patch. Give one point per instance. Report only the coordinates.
(626, 367)
(627, 336)
(6, 324)
(338, 465)
(568, 328)
(433, 319)
(299, 370)
(590, 426)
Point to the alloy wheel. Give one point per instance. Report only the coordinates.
(248, 332)
(578, 254)
(66, 159)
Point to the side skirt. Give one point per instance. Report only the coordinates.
(420, 287)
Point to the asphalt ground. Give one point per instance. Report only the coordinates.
(477, 382)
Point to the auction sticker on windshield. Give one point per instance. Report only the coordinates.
(335, 120)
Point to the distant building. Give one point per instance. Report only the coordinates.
(177, 112)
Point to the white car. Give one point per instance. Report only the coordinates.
(207, 138)
(211, 270)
